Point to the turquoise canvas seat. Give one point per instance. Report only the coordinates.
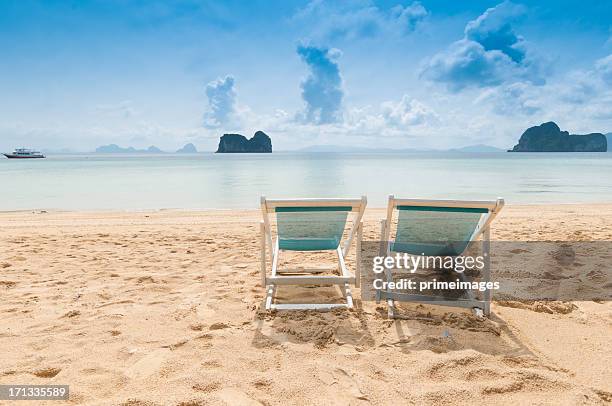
(311, 228)
(435, 230)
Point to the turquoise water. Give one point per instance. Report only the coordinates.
(204, 181)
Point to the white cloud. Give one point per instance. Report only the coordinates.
(328, 20)
(221, 102)
(322, 88)
(493, 30)
(603, 67)
(587, 86)
(490, 54)
(407, 112)
(511, 100)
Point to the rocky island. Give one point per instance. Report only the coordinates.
(548, 137)
(116, 149)
(236, 143)
(187, 149)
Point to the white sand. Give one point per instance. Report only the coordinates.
(165, 308)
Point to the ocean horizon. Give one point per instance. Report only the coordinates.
(236, 181)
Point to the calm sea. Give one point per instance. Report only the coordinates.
(204, 181)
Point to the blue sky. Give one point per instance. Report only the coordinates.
(429, 74)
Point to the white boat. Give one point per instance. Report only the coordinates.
(22, 153)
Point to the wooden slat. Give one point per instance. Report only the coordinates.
(310, 280)
(304, 270)
(271, 204)
(476, 204)
(433, 300)
(308, 306)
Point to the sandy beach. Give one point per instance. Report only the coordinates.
(165, 308)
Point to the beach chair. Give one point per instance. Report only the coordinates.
(310, 225)
(438, 228)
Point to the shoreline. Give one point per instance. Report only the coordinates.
(254, 209)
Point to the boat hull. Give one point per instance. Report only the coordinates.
(13, 156)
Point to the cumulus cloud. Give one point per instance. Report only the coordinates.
(490, 53)
(585, 95)
(467, 63)
(493, 30)
(407, 112)
(407, 18)
(510, 100)
(221, 102)
(603, 68)
(600, 109)
(579, 87)
(358, 19)
(322, 88)
(585, 85)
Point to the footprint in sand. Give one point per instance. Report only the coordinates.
(144, 279)
(233, 396)
(262, 383)
(71, 313)
(218, 326)
(206, 387)
(211, 364)
(345, 387)
(149, 365)
(8, 284)
(46, 372)
(205, 312)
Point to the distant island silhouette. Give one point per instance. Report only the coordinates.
(330, 148)
(116, 149)
(187, 149)
(237, 143)
(548, 137)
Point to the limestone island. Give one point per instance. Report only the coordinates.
(187, 149)
(548, 137)
(116, 149)
(236, 143)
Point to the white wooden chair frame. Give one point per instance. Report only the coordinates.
(482, 229)
(278, 276)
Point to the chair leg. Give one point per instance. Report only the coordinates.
(347, 294)
(385, 250)
(390, 309)
(262, 232)
(271, 289)
(390, 302)
(486, 240)
(346, 289)
(269, 296)
(358, 255)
